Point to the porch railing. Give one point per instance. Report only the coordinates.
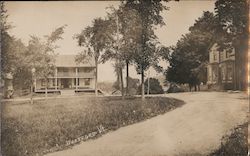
(73, 75)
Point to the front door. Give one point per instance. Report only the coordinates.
(65, 83)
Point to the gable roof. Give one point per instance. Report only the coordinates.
(69, 61)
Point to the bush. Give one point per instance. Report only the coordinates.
(174, 88)
(154, 87)
(234, 144)
(132, 88)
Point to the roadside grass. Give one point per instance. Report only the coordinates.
(235, 144)
(34, 129)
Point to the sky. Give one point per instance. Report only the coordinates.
(41, 18)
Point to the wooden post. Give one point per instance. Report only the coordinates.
(127, 81)
(96, 77)
(234, 72)
(76, 78)
(35, 84)
(56, 79)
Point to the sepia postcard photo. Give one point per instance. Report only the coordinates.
(124, 78)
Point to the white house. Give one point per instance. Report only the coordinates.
(69, 75)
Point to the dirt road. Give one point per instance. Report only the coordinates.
(194, 129)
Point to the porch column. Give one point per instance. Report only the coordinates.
(76, 78)
(34, 84)
(56, 79)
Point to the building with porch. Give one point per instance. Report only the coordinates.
(221, 68)
(69, 75)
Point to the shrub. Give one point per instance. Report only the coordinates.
(234, 144)
(154, 87)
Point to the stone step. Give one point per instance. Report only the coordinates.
(67, 92)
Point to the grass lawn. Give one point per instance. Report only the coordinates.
(235, 144)
(32, 129)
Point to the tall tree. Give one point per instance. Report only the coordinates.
(8, 57)
(95, 39)
(40, 54)
(129, 28)
(233, 20)
(181, 63)
(149, 15)
(22, 74)
(118, 85)
(189, 57)
(124, 22)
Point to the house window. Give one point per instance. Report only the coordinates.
(223, 73)
(77, 82)
(215, 57)
(87, 82)
(43, 83)
(214, 75)
(227, 54)
(54, 82)
(85, 70)
(230, 72)
(210, 74)
(65, 70)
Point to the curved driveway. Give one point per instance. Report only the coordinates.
(196, 128)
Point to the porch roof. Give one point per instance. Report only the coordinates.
(69, 61)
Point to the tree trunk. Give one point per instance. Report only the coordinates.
(234, 76)
(46, 90)
(237, 68)
(122, 85)
(240, 66)
(195, 88)
(31, 93)
(243, 63)
(142, 85)
(148, 86)
(96, 81)
(8, 88)
(127, 78)
(190, 87)
(219, 73)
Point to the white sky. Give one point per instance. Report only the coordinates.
(41, 18)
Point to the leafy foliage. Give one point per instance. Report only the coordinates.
(149, 15)
(96, 41)
(132, 87)
(154, 86)
(8, 51)
(189, 57)
(233, 21)
(40, 55)
(233, 18)
(146, 47)
(235, 144)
